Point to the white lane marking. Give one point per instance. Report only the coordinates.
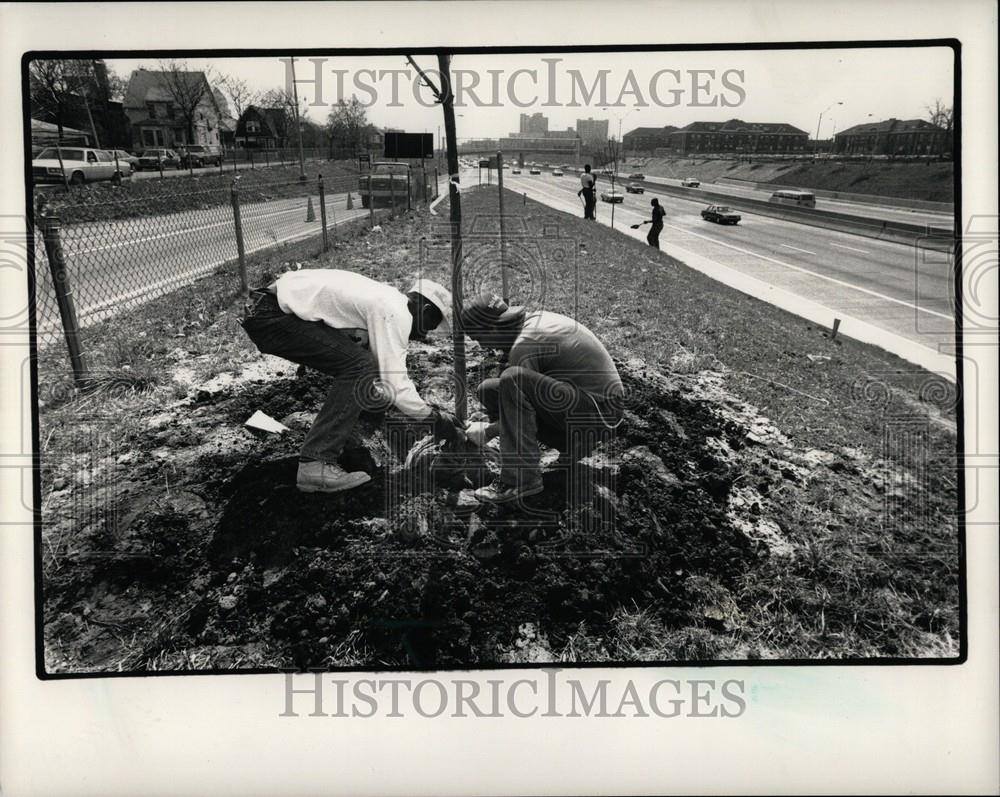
(834, 280)
(804, 251)
(825, 277)
(851, 248)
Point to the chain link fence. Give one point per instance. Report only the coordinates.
(95, 260)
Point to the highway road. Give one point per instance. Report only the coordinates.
(898, 288)
(115, 262)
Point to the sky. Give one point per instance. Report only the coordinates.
(649, 89)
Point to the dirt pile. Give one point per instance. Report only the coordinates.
(667, 516)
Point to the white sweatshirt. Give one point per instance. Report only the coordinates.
(345, 300)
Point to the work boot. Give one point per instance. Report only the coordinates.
(500, 493)
(322, 477)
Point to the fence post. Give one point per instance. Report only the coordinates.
(159, 162)
(64, 295)
(503, 237)
(322, 213)
(235, 196)
(409, 189)
(392, 195)
(251, 157)
(267, 159)
(235, 169)
(222, 159)
(436, 178)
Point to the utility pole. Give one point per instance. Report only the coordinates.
(298, 124)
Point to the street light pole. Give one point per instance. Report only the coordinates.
(820, 121)
(298, 124)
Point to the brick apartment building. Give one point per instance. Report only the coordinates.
(894, 137)
(737, 136)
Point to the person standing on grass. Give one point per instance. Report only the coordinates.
(356, 330)
(653, 238)
(561, 387)
(588, 189)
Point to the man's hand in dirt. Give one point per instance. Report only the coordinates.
(446, 426)
(477, 432)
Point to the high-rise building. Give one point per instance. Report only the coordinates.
(592, 131)
(534, 123)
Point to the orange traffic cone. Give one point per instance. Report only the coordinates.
(350, 201)
(310, 213)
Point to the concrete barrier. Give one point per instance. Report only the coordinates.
(848, 196)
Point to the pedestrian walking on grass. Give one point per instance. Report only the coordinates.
(588, 190)
(653, 239)
(356, 330)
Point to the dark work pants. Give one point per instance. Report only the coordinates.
(314, 344)
(532, 408)
(653, 239)
(589, 203)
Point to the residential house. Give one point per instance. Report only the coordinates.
(156, 115)
(263, 128)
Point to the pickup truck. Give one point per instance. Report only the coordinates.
(385, 180)
(81, 165)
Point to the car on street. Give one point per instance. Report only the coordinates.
(690, 182)
(152, 158)
(612, 196)
(200, 155)
(79, 164)
(515, 170)
(607, 172)
(388, 182)
(126, 157)
(557, 172)
(635, 188)
(720, 214)
(534, 170)
(637, 176)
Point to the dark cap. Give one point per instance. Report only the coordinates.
(488, 312)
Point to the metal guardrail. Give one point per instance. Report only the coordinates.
(847, 196)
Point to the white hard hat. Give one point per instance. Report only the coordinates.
(436, 294)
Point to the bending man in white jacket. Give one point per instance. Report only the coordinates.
(356, 330)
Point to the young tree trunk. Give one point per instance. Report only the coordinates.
(455, 201)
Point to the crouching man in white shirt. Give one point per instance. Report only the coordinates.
(356, 330)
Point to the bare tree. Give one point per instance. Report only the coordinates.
(52, 85)
(240, 95)
(187, 89)
(348, 125)
(940, 114)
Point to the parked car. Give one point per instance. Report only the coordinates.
(126, 157)
(637, 176)
(635, 188)
(388, 180)
(720, 214)
(80, 165)
(557, 172)
(200, 155)
(152, 158)
(612, 196)
(690, 182)
(534, 170)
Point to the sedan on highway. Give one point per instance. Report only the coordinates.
(637, 176)
(635, 188)
(690, 182)
(557, 172)
(534, 170)
(720, 214)
(515, 170)
(612, 196)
